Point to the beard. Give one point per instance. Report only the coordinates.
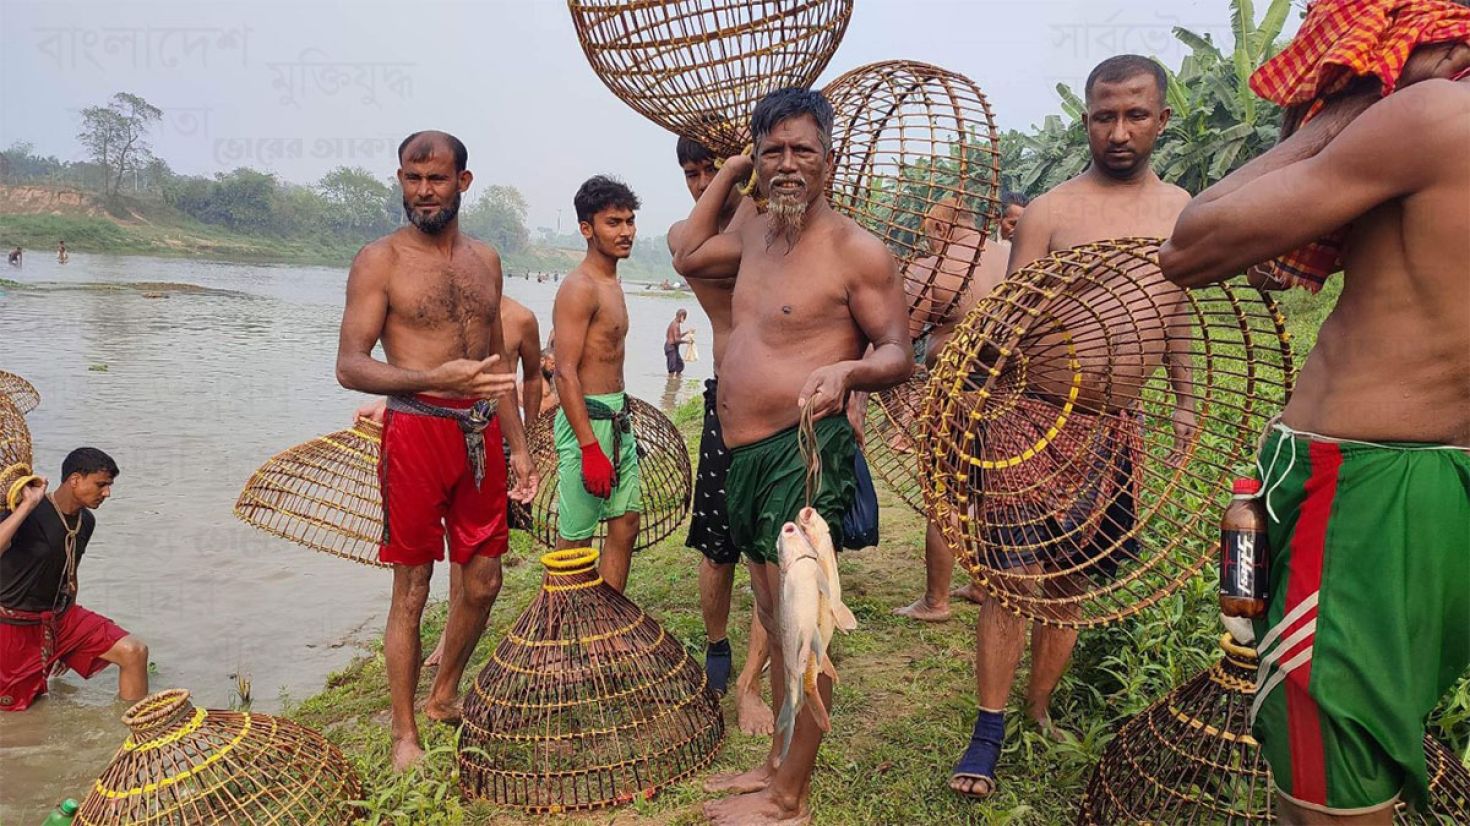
(788, 217)
(435, 223)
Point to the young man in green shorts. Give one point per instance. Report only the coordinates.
(597, 470)
(812, 291)
(1366, 479)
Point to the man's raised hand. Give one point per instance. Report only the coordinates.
(32, 494)
(472, 378)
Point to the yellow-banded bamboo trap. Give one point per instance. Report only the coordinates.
(16, 469)
(587, 702)
(696, 68)
(918, 165)
(1190, 758)
(891, 438)
(22, 393)
(185, 766)
(1080, 429)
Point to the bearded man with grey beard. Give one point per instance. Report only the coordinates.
(817, 313)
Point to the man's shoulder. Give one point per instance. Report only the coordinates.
(382, 252)
(483, 251)
(859, 245)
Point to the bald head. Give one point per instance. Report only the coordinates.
(421, 146)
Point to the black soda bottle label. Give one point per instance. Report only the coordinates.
(1243, 564)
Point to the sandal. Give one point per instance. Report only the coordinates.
(978, 762)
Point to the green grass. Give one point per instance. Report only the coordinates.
(905, 702)
(166, 236)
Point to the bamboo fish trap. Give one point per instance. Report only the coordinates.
(22, 393)
(1190, 759)
(697, 67)
(188, 766)
(587, 702)
(890, 438)
(1052, 460)
(15, 454)
(918, 165)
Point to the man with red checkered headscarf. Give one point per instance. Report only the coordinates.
(1366, 476)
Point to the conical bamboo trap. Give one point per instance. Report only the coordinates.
(918, 165)
(1190, 759)
(322, 494)
(16, 469)
(663, 469)
(890, 438)
(188, 766)
(697, 67)
(1051, 409)
(22, 393)
(587, 702)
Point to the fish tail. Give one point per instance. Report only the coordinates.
(786, 723)
(814, 698)
(842, 616)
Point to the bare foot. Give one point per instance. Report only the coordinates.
(432, 661)
(976, 787)
(406, 753)
(751, 712)
(922, 611)
(757, 807)
(969, 593)
(450, 713)
(1051, 730)
(755, 780)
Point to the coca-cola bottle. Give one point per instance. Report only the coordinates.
(1245, 553)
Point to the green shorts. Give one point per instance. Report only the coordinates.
(766, 486)
(1368, 620)
(577, 511)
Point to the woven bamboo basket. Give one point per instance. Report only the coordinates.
(697, 67)
(587, 702)
(322, 494)
(1050, 458)
(21, 392)
(890, 431)
(1190, 759)
(15, 454)
(918, 165)
(188, 766)
(663, 468)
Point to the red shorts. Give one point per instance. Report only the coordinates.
(428, 487)
(82, 637)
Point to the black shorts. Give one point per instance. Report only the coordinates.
(709, 525)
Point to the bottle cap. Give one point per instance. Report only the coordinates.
(70, 806)
(1246, 487)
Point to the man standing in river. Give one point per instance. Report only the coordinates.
(814, 290)
(432, 297)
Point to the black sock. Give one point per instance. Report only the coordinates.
(717, 663)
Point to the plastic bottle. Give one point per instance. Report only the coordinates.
(1245, 553)
(64, 813)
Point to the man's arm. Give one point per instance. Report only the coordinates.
(575, 305)
(1032, 239)
(530, 349)
(700, 249)
(29, 499)
(1393, 149)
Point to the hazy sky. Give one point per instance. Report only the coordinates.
(242, 83)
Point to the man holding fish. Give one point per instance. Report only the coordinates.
(813, 290)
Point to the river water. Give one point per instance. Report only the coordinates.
(190, 390)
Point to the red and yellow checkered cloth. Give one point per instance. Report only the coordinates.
(1338, 41)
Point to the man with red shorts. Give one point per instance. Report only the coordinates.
(432, 297)
(41, 625)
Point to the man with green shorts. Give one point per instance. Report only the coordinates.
(1366, 480)
(597, 456)
(813, 291)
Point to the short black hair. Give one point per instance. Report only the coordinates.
(600, 192)
(86, 461)
(692, 151)
(784, 104)
(1010, 198)
(1122, 67)
(425, 149)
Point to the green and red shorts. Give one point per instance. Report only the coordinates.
(1369, 615)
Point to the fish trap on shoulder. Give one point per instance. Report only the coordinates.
(187, 765)
(891, 438)
(16, 464)
(1080, 429)
(665, 478)
(918, 165)
(696, 68)
(323, 494)
(1190, 758)
(587, 702)
(22, 393)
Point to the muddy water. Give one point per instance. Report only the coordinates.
(190, 389)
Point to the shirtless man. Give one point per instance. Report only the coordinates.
(1367, 500)
(947, 220)
(1118, 196)
(62, 256)
(1012, 207)
(709, 525)
(673, 337)
(432, 296)
(814, 290)
(597, 470)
